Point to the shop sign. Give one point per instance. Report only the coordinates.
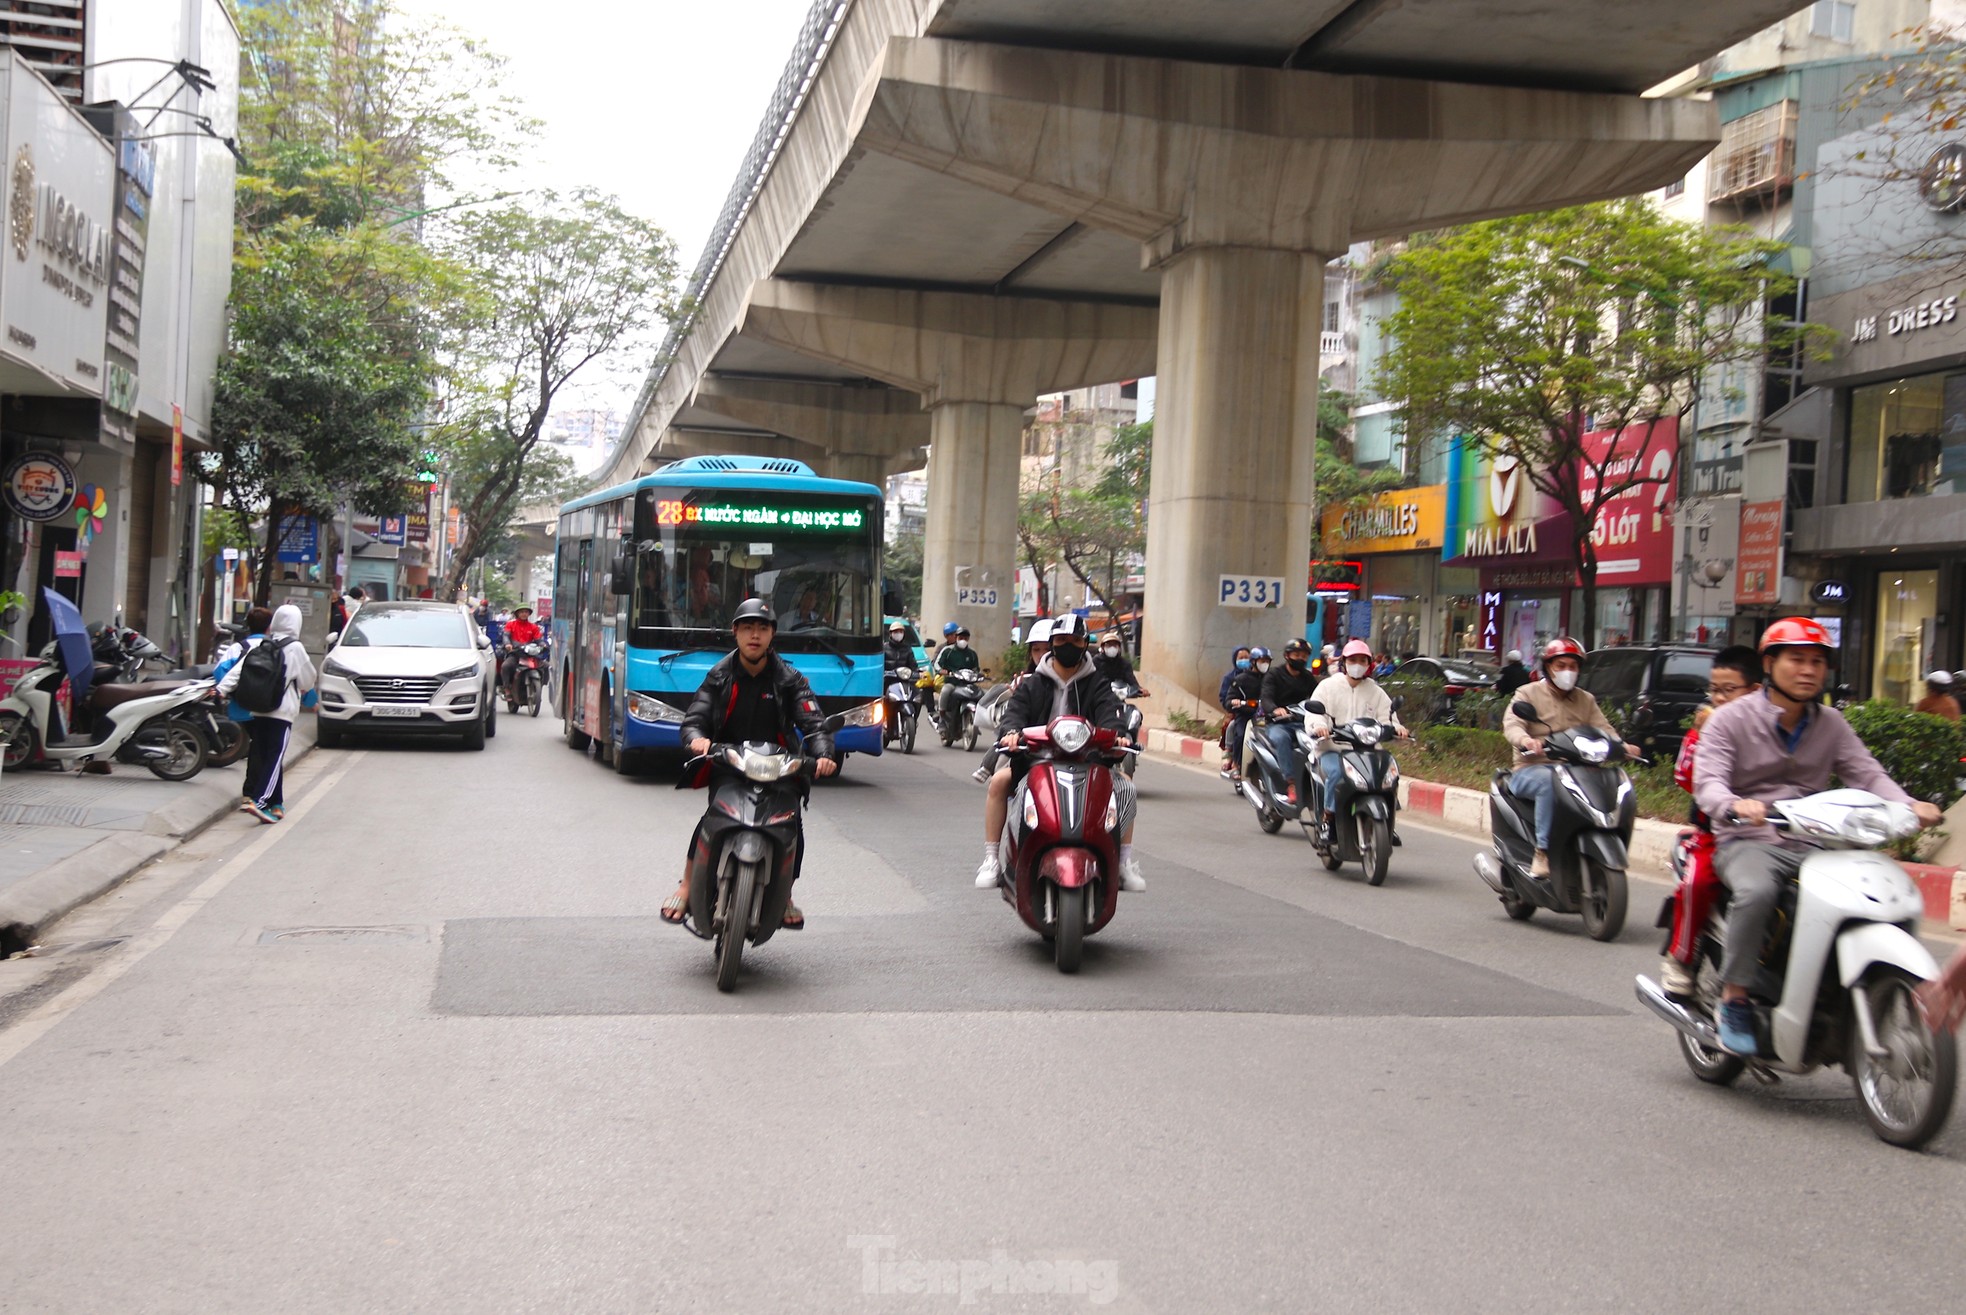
(1759, 571)
(1830, 591)
(300, 538)
(11, 670)
(1491, 620)
(1636, 466)
(68, 565)
(1910, 319)
(40, 486)
(392, 530)
(136, 172)
(1403, 520)
(1495, 514)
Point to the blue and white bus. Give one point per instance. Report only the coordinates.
(647, 575)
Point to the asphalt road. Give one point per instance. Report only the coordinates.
(425, 1046)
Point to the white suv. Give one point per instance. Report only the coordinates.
(408, 667)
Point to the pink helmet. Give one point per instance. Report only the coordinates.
(1357, 648)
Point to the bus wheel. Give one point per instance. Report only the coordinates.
(576, 738)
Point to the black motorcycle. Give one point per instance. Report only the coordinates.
(904, 708)
(527, 687)
(1269, 783)
(960, 691)
(738, 896)
(1590, 835)
(1367, 800)
(1134, 719)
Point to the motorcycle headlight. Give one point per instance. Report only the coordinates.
(766, 766)
(644, 708)
(904, 673)
(1357, 777)
(1112, 814)
(867, 714)
(1071, 734)
(1030, 810)
(334, 668)
(1365, 734)
(461, 673)
(1592, 750)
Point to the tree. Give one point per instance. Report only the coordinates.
(564, 281)
(901, 571)
(1521, 335)
(1340, 482)
(1914, 106)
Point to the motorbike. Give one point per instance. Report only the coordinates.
(225, 739)
(1135, 718)
(739, 891)
(145, 723)
(989, 709)
(1367, 801)
(958, 722)
(527, 687)
(1059, 858)
(1840, 966)
(1590, 837)
(904, 709)
(1269, 782)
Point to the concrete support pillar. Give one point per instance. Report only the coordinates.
(1235, 429)
(855, 465)
(971, 537)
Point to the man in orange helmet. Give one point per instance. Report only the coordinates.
(1779, 744)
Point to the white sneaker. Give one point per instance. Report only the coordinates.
(1130, 878)
(1675, 979)
(986, 874)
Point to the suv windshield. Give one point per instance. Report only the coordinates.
(398, 627)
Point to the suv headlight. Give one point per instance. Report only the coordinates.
(330, 667)
(867, 714)
(642, 707)
(462, 673)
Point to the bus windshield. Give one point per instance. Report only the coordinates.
(701, 552)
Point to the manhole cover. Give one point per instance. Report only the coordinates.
(343, 935)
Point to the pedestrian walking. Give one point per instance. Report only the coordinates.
(271, 675)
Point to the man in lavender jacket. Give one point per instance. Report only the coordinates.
(1761, 749)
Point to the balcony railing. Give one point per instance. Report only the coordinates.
(1331, 344)
(1756, 155)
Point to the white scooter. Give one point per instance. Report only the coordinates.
(149, 723)
(1841, 964)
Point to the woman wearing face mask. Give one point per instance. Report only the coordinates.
(1230, 701)
(1111, 664)
(1349, 695)
(1259, 671)
(1559, 705)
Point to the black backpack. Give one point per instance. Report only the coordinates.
(263, 675)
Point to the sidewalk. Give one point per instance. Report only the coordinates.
(65, 838)
(1466, 811)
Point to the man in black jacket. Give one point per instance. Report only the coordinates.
(1064, 684)
(1291, 683)
(751, 695)
(896, 651)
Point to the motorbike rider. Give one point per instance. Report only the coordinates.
(1233, 704)
(521, 629)
(896, 651)
(1284, 686)
(752, 695)
(1350, 695)
(1559, 706)
(1777, 744)
(1260, 662)
(956, 656)
(1064, 684)
(1112, 664)
(1940, 698)
(1514, 675)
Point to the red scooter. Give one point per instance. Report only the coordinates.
(1060, 849)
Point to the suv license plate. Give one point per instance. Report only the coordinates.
(396, 710)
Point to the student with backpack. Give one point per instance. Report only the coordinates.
(268, 680)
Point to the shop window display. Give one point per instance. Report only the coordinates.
(1907, 611)
(1908, 438)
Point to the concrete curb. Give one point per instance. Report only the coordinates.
(35, 903)
(1466, 811)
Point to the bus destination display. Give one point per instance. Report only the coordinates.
(810, 518)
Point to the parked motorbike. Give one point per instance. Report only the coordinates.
(1840, 966)
(1590, 838)
(134, 723)
(1058, 863)
(527, 687)
(1367, 800)
(225, 739)
(738, 895)
(1135, 719)
(904, 709)
(958, 722)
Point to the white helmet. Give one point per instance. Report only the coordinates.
(1942, 679)
(1515, 655)
(1040, 632)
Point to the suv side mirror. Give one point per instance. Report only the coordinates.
(334, 637)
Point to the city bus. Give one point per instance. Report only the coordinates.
(647, 574)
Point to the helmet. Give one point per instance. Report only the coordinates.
(1358, 648)
(1561, 646)
(753, 609)
(1259, 654)
(949, 630)
(1513, 655)
(1297, 646)
(1795, 631)
(896, 628)
(1943, 679)
(1069, 626)
(1040, 632)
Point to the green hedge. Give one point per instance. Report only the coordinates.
(1919, 751)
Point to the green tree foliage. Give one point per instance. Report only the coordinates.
(1523, 334)
(901, 569)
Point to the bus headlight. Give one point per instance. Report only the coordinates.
(644, 708)
(867, 714)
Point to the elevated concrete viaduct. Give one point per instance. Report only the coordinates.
(968, 202)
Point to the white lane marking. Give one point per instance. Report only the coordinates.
(133, 951)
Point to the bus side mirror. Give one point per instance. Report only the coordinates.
(621, 574)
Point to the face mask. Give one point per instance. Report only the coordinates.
(962, 643)
(1262, 666)
(1066, 655)
(1564, 680)
(1111, 650)
(1294, 662)
(1356, 670)
(1242, 664)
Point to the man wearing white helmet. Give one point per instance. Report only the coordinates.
(1941, 699)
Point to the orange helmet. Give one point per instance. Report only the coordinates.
(1795, 631)
(1562, 646)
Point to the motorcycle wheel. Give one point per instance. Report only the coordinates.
(18, 738)
(1375, 848)
(907, 735)
(1271, 821)
(1603, 905)
(231, 744)
(1715, 1066)
(737, 925)
(1068, 940)
(1519, 910)
(969, 729)
(534, 695)
(1907, 1091)
(184, 750)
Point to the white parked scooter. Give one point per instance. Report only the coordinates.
(149, 723)
(1841, 964)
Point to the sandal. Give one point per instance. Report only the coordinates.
(676, 907)
(793, 920)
